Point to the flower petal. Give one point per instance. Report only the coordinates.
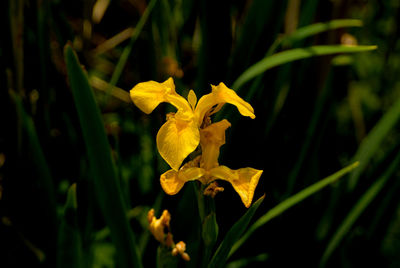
(243, 180)
(192, 98)
(172, 181)
(176, 139)
(222, 94)
(158, 226)
(148, 95)
(211, 139)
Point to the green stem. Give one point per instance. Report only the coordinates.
(197, 188)
(206, 206)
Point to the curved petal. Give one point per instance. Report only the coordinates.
(243, 180)
(211, 139)
(172, 181)
(222, 94)
(148, 95)
(176, 139)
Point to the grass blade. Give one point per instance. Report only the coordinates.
(358, 209)
(262, 17)
(69, 239)
(247, 262)
(293, 55)
(101, 163)
(17, 34)
(127, 50)
(298, 35)
(310, 30)
(291, 201)
(371, 143)
(222, 253)
(309, 139)
(318, 28)
(40, 162)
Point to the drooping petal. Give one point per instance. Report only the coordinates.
(211, 139)
(222, 94)
(243, 180)
(172, 181)
(176, 139)
(148, 95)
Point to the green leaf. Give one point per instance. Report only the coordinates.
(291, 201)
(222, 253)
(165, 259)
(210, 229)
(246, 262)
(372, 141)
(69, 239)
(298, 35)
(39, 160)
(103, 255)
(101, 164)
(127, 50)
(358, 209)
(262, 17)
(320, 27)
(292, 55)
(310, 134)
(71, 202)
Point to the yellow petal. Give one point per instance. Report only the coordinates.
(226, 94)
(215, 133)
(192, 99)
(222, 94)
(158, 226)
(243, 180)
(148, 95)
(172, 181)
(211, 139)
(176, 139)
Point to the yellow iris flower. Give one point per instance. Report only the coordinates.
(189, 127)
(206, 169)
(180, 135)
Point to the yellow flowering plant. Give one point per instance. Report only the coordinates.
(190, 127)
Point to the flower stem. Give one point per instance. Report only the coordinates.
(206, 206)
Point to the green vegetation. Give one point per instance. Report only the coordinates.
(79, 164)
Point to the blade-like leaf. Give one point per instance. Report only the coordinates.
(371, 143)
(262, 17)
(320, 27)
(69, 239)
(221, 255)
(310, 30)
(247, 262)
(38, 157)
(298, 35)
(358, 209)
(292, 55)
(127, 50)
(310, 134)
(291, 201)
(102, 167)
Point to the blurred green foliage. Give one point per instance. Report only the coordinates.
(63, 192)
